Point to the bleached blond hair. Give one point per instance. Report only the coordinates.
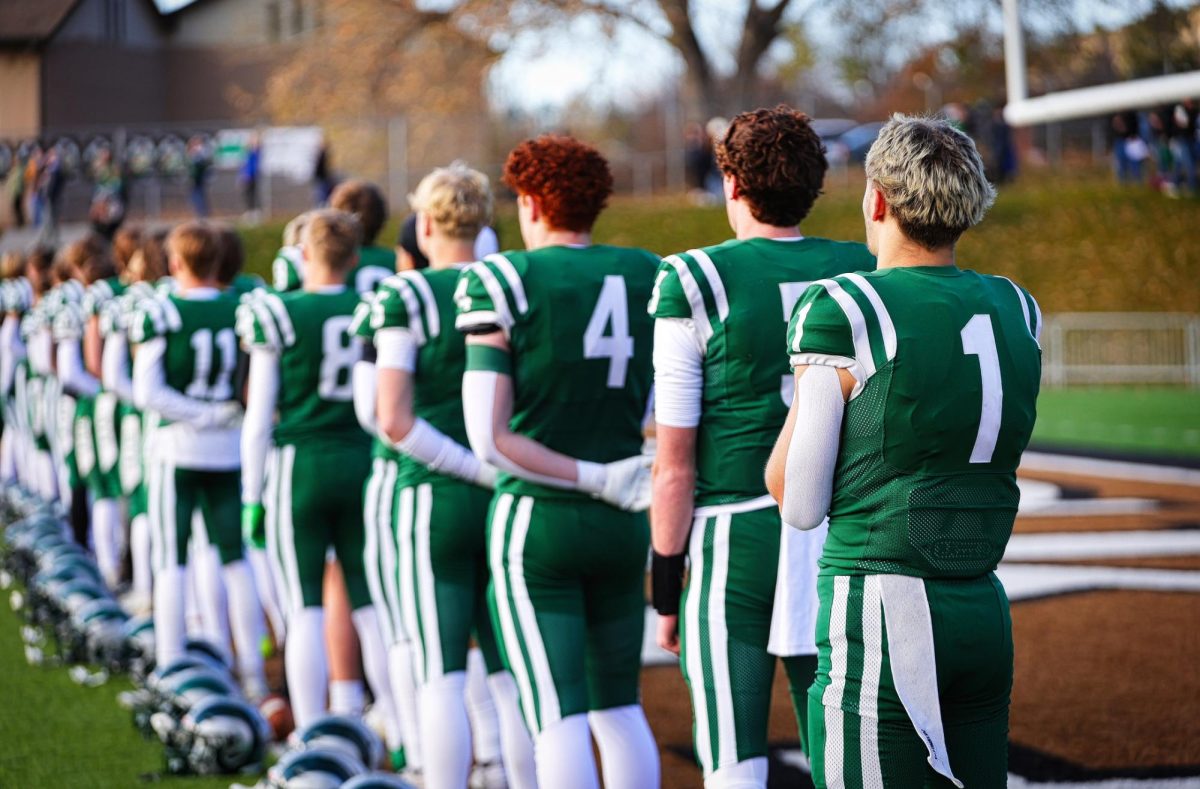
(456, 198)
(932, 178)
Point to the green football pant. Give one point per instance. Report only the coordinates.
(314, 501)
(380, 549)
(862, 734)
(441, 530)
(174, 496)
(131, 460)
(725, 625)
(568, 603)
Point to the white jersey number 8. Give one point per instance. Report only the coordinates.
(611, 313)
(338, 355)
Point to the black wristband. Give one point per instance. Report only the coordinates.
(666, 582)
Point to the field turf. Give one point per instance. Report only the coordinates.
(55, 734)
(1159, 421)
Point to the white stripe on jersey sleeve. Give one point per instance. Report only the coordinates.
(503, 316)
(512, 278)
(171, 314)
(858, 323)
(691, 289)
(266, 319)
(886, 327)
(799, 333)
(433, 323)
(714, 281)
(1035, 333)
(413, 305)
(282, 319)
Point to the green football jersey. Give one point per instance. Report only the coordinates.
(245, 283)
(101, 294)
(581, 346)
(202, 358)
(740, 295)
(316, 357)
(375, 264)
(949, 368)
(360, 326)
(423, 302)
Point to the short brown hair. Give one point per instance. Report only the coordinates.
(365, 201)
(778, 162)
(197, 246)
(37, 267)
(331, 237)
(149, 262)
(12, 264)
(125, 243)
(570, 178)
(233, 254)
(97, 268)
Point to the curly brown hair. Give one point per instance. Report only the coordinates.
(570, 179)
(778, 161)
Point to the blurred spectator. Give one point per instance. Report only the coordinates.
(1180, 126)
(14, 188)
(698, 157)
(1004, 154)
(49, 190)
(323, 180)
(198, 166)
(248, 178)
(1129, 149)
(107, 209)
(1160, 132)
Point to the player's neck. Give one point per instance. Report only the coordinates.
(318, 279)
(745, 226)
(555, 237)
(898, 251)
(187, 281)
(447, 252)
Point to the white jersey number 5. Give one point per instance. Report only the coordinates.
(611, 314)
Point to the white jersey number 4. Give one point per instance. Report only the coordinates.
(611, 314)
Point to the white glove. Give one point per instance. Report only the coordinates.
(485, 477)
(223, 416)
(625, 484)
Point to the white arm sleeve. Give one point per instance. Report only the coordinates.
(262, 394)
(40, 345)
(426, 443)
(150, 390)
(75, 379)
(479, 405)
(114, 366)
(396, 349)
(812, 454)
(678, 373)
(11, 351)
(362, 382)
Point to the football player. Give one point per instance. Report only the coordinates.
(915, 396)
(721, 395)
(301, 357)
(185, 370)
(555, 392)
(440, 490)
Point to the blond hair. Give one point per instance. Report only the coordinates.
(932, 178)
(12, 264)
(331, 238)
(197, 246)
(294, 229)
(457, 199)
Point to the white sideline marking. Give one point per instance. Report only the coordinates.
(794, 757)
(1110, 469)
(1101, 545)
(1022, 581)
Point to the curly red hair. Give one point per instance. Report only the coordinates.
(569, 178)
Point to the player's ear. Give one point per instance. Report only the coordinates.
(731, 186)
(535, 208)
(877, 205)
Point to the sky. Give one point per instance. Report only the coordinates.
(541, 74)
